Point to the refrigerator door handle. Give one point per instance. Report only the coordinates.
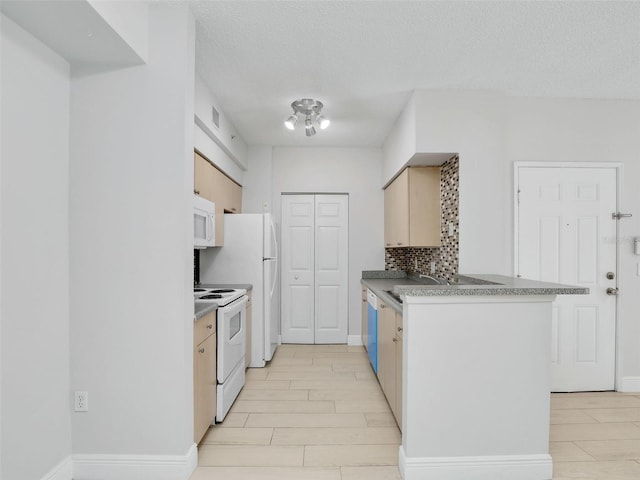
(275, 239)
(275, 276)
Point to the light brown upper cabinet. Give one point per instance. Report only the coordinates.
(212, 184)
(412, 208)
(202, 181)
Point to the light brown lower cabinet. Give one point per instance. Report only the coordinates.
(390, 358)
(398, 340)
(204, 375)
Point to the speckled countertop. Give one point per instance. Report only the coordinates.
(201, 309)
(380, 282)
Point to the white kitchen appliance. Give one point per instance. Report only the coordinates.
(231, 332)
(204, 223)
(249, 255)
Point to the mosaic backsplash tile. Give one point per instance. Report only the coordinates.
(419, 260)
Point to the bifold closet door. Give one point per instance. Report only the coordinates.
(315, 268)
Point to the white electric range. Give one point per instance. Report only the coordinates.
(231, 330)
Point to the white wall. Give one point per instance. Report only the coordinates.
(356, 171)
(400, 144)
(472, 124)
(129, 20)
(490, 131)
(225, 134)
(131, 184)
(35, 253)
(256, 191)
(570, 130)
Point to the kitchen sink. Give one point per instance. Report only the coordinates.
(462, 280)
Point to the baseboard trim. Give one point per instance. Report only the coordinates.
(630, 384)
(62, 471)
(354, 340)
(503, 467)
(135, 467)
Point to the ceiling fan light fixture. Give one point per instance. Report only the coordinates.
(323, 121)
(309, 128)
(310, 109)
(290, 122)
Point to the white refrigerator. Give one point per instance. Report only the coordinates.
(249, 255)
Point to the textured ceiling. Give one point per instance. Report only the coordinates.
(363, 58)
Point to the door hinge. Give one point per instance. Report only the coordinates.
(618, 215)
(518, 199)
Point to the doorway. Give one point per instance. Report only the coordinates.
(565, 233)
(315, 267)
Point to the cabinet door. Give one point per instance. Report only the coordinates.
(398, 340)
(365, 323)
(204, 327)
(202, 177)
(387, 352)
(218, 188)
(204, 386)
(389, 211)
(424, 207)
(235, 196)
(396, 214)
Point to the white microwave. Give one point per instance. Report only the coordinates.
(204, 223)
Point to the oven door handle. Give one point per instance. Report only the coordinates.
(234, 306)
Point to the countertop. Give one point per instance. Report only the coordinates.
(201, 309)
(475, 284)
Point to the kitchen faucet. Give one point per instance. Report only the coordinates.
(439, 281)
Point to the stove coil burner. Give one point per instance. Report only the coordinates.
(195, 290)
(222, 290)
(210, 297)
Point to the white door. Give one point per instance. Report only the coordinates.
(314, 268)
(566, 234)
(298, 268)
(331, 293)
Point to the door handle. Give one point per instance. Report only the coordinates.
(612, 291)
(295, 277)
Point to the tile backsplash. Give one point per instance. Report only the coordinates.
(419, 260)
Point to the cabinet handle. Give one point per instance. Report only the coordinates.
(233, 209)
(395, 339)
(201, 350)
(364, 300)
(399, 243)
(197, 192)
(209, 326)
(388, 244)
(382, 305)
(399, 329)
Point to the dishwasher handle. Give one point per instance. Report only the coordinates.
(372, 299)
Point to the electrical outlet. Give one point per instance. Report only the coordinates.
(433, 267)
(81, 401)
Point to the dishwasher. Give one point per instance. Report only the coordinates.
(372, 326)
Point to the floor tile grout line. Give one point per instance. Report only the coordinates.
(583, 450)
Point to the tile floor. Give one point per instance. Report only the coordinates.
(317, 413)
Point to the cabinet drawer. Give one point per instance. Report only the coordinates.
(204, 327)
